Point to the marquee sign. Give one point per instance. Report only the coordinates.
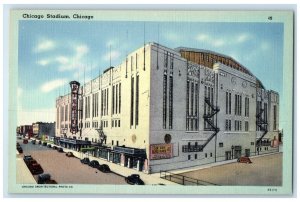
(74, 106)
(161, 151)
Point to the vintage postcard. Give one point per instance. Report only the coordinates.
(176, 102)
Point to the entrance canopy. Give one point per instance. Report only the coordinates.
(74, 141)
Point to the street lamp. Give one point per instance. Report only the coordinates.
(232, 148)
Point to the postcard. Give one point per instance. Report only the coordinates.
(175, 102)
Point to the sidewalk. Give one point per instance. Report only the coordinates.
(184, 170)
(124, 171)
(24, 176)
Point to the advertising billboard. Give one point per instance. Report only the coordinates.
(161, 151)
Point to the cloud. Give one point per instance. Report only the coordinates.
(218, 43)
(202, 37)
(62, 60)
(52, 85)
(44, 62)
(75, 61)
(172, 36)
(242, 38)
(45, 45)
(113, 55)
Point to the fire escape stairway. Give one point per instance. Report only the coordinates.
(262, 124)
(208, 119)
(102, 136)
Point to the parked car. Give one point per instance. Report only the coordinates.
(35, 168)
(25, 141)
(94, 164)
(244, 159)
(33, 141)
(54, 147)
(20, 150)
(85, 160)
(69, 154)
(49, 146)
(60, 149)
(44, 143)
(30, 161)
(134, 179)
(27, 158)
(40, 142)
(43, 178)
(104, 168)
(18, 144)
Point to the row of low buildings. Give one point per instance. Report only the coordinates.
(39, 130)
(164, 109)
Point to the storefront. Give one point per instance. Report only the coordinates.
(129, 157)
(74, 144)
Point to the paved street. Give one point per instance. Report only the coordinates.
(68, 170)
(263, 171)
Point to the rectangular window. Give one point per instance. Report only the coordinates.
(205, 155)
(189, 157)
(192, 99)
(226, 125)
(137, 100)
(113, 100)
(66, 113)
(235, 104)
(187, 104)
(119, 98)
(166, 59)
(221, 144)
(229, 125)
(226, 103)
(240, 127)
(165, 100)
(275, 116)
(266, 112)
(229, 110)
(107, 96)
(132, 101)
(196, 156)
(171, 102)
(246, 126)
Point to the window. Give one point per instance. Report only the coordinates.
(132, 101)
(120, 98)
(137, 101)
(171, 102)
(166, 59)
(189, 157)
(113, 99)
(112, 142)
(196, 156)
(211, 154)
(119, 123)
(246, 106)
(266, 112)
(229, 110)
(252, 143)
(275, 116)
(246, 126)
(205, 155)
(165, 99)
(229, 125)
(189, 145)
(187, 104)
(227, 102)
(226, 125)
(221, 144)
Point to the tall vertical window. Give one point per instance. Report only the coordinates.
(97, 104)
(131, 101)
(102, 102)
(137, 101)
(229, 125)
(165, 100)
(113, 99)
(93, 105)
(171, 102)
(107, 96)
(235, 104)
(226, 103)
(229, 109)
(246, 126)
(275, 117)
(197, 106)
(85, 108)
(119, 98)
(187, 104)
(66, 113)
(266, 112)
(57, 117)
(61, 116)
(226, 125)
(240, 102)
(166, 59)
(192, 98)
(246, 106)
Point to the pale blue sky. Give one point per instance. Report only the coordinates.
(52, 53)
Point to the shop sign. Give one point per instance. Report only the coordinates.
(161, 151)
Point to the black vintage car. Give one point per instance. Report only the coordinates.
(27, 158)
(134, 179)
(85, 160)
(54, 147)
(94, 164)
(60, 149)
(20, 150)
(104, 168)
(43, 178)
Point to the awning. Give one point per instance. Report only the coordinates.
(74, 141)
